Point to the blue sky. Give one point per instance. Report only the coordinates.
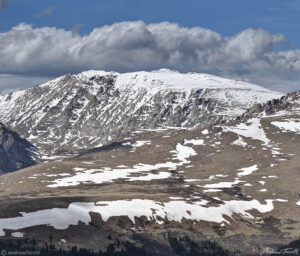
(227, 18)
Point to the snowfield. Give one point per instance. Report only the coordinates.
(166, 79)
(107, 174)
(62, 218)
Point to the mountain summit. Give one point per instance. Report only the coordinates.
(95, 107)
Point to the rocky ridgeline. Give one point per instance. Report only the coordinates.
(15, 153)
(286, 102)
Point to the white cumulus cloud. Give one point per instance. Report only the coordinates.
(130, 46)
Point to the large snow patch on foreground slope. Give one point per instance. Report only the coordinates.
(62, 218)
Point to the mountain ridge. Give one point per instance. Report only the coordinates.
(288, 101)
(94, 108)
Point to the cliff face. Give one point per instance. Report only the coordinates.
(15, 153)
(286, 102)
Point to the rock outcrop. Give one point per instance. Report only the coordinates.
(286, 102)
(15, 153)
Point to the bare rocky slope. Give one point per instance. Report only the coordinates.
(15, 153)
(93, 108)
(286, 102)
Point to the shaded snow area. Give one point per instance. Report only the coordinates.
(288, 125)
(107, 174)
(62, 218)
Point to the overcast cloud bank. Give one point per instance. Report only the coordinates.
(130, 46)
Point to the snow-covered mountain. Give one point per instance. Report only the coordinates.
(95, 107)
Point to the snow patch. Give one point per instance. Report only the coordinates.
(222, 184)
(247, 170)
(288, 125)
(282, 200)
(62, 218)
(194, 142)
(205, 132)
(252, 129)
(239, 142)
(184, 152)
(211, 190)
(140, 143)
(107, 174)
(17, 234)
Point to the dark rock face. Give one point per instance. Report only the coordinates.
(15, 153)
(286, 102)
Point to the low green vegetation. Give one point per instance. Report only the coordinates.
(184, 246)
(118, 248)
